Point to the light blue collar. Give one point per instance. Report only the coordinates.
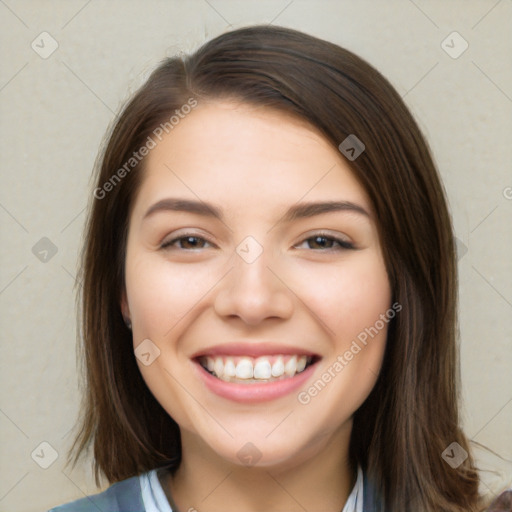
(155, 500)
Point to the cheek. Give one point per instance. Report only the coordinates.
(160, 294)
(348, 297)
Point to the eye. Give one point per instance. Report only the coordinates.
(186, 242)
(325, 242)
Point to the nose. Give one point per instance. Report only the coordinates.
(253, 292)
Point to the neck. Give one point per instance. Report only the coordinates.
(319, 479)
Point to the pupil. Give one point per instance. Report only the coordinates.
(191, 240)
(321, 241)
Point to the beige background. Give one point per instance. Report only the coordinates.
(55, 110)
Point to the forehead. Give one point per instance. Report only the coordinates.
(241, 155)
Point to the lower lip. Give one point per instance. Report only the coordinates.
(253, 393)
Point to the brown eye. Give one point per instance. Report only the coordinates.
(187, 242)
(323, 242)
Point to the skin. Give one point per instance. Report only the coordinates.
(253, 164)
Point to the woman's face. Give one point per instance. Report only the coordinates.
(252, 252)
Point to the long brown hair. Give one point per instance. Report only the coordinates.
(411, 416)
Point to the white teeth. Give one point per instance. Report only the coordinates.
(229, 368)
(301, 363)
(244, 369)
(218, 366)
(249, 370)
(290, 368)
(262, 369)
(278, 367)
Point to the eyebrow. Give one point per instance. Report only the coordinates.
(295, 212)
(305, 210)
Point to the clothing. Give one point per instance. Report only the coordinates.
(155, 500)
(153, 495)
(502, 503)
(144, 493)
(355, 499)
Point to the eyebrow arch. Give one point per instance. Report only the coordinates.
(305, 210)
(185, 205)
(295, 212)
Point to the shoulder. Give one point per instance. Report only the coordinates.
(124, 496)
(502, 503)
(372, 501)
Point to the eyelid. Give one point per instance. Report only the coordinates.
(343, 243)
(167, 243)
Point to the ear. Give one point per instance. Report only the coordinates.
(125, 309)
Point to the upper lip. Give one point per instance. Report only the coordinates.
(252, 349)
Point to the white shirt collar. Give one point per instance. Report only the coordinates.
(154, 499)
(355, 499)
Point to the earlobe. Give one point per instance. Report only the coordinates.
(125, 310)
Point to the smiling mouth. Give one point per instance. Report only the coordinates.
(256, 370)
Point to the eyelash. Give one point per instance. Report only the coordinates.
(343, 244)
(167, 245)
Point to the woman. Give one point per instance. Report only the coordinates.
(269, 292)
